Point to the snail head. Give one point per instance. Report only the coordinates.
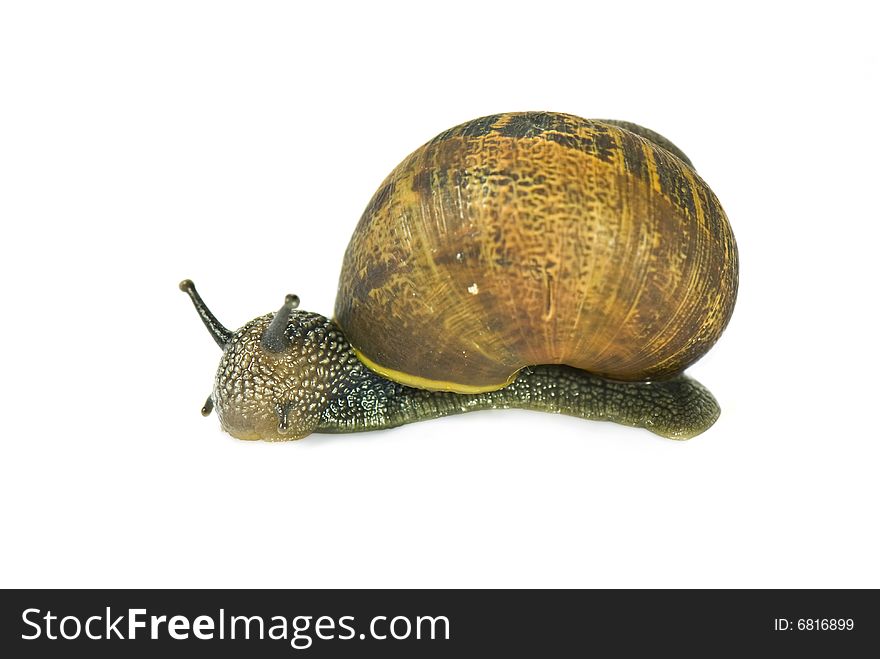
(277, 372)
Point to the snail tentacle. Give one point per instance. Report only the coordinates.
(275, 338)
(220, 334)
(283, 423)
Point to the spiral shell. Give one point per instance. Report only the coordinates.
(538, 238)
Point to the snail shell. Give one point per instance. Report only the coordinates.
(538, 238)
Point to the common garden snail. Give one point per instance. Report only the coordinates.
(523, 260)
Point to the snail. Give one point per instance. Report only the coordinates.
(529, 260)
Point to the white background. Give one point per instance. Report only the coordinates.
(238, 143)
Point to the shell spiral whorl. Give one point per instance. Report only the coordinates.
(538, 238)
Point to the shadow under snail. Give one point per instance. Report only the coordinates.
(529, 260)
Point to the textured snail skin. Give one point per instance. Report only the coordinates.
(538, 238)
(679, 408)
(318, 385)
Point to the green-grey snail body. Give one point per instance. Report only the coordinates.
(527, 260)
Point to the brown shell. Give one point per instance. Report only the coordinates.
(538, 238)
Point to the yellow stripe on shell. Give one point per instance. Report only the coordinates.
(424, 383)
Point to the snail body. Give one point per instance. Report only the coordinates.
(532, 260)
